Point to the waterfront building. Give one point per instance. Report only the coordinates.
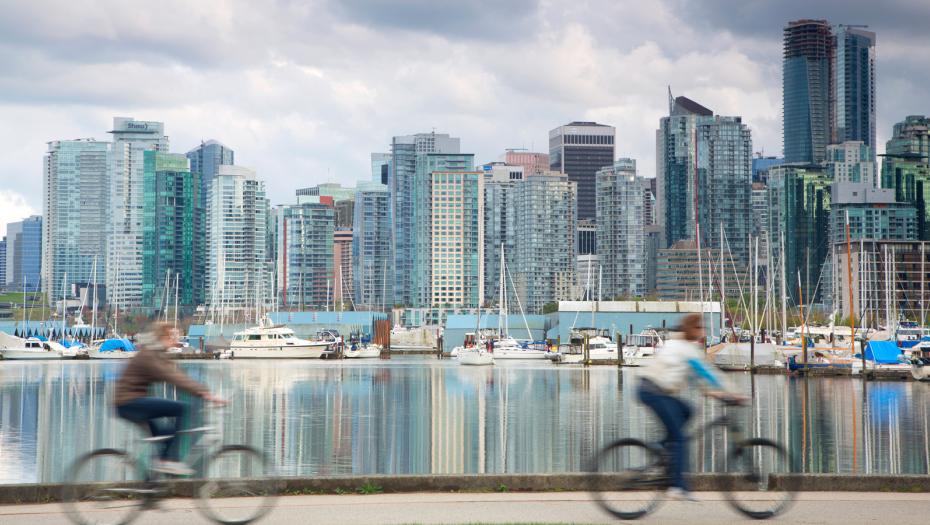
(342, 264)
(306, 253)
(621, 230)
(500, 180)
(544, 257)
(704, 176)
(381, 168)
(579, 149)
(75, 210)
(873, 213)
(172, 232)
(405, 152)
(456, 237)
(807, 90)
(206, 160)
(238, 277)
(679, 277)
(761, 165)
(854, 86)
(131, 138)
(372, 258)
(23, 254)
(533, 163)
(799, 213)
(851, 161)
(906, 167)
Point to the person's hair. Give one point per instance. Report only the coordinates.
(691, 325)
(160, 330)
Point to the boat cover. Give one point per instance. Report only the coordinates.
(112, 345)
(882, 352)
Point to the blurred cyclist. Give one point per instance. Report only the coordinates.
(163, 416)
(661, 381)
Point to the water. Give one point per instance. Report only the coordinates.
(421, 416)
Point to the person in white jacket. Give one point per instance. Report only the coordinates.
(679, 361)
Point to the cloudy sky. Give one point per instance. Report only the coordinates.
(305, 90)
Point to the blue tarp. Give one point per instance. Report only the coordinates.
(68, 344)
(882, 352)
(111, 345)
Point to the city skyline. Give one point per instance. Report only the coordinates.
(311, 105)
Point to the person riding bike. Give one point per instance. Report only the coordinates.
(151, 365)
(660, 382)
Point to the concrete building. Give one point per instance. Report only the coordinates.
(238, 275)
(533, 163)
(306, 254)
(403, 185)
(76, 213)
(679, 277)
(621, 230)
(206, 160)
(906, 167)
(371, 248)
(131, 139)
(852, 161)
(173, 232)
(342, 265)
(808, 90)
(704, 176)
(23, 254)
(579, 149)
(456, 238)
(872, 212)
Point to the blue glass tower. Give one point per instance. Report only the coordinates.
(807, 90)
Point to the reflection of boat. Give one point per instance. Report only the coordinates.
(12, 347)
(115, 348)
(270, 341)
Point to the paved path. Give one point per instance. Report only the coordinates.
(555, 507)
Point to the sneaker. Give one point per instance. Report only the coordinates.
(680, 494)
(175, 468)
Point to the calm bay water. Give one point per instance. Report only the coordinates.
(422, 416)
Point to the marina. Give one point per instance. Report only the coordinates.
(421, 415)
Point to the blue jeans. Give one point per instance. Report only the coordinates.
(163, 417)
(674, 415)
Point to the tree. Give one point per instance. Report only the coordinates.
(552, 307)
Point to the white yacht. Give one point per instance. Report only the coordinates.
(475, 356)
(510, 348)
(368, 351)
(601, 348)
(641, 348)
(12, 347)
(270, 341)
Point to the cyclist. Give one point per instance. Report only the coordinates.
(151, 365)
(661, 381)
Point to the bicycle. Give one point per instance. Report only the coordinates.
(629, 476)
(111, 486)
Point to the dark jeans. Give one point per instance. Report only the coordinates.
(163, 417)
(674, 415)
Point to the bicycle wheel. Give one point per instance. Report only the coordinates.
(105, 486)
(239, 486)
(628, 478)
(753, 486)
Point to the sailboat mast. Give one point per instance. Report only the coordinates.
(852, 313)
(177, 278)
(500, 299)
(697, 229)
(723, 287)
(923, 273)
(93, 315)
(784, 290)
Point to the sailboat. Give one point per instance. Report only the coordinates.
(507, 347)
(474, 353)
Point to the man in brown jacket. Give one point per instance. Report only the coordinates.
(150, 365)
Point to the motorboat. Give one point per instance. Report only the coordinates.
(271, 341)
(601, 348)
(641, 348)
(12, 347)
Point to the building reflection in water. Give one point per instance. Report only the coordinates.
(420, 417)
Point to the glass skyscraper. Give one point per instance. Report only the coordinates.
(131, 139)
(76, 216)
(206, 160)
(621, 231)
(855, 86)
(807, 90)
(906, 168)
(405, 155)
(704, 176)
(172, 232)
(305, 252)
(579, 149)
(371, 247)
(24, 254)
(456, 238)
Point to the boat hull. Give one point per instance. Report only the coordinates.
(13, 354)
(363, 353)
(475, 358)
(519, 353)
(277, 352)
(110, 355)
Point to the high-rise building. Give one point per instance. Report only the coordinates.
(679, 277)
(500, 179)
(371, 247)
(456, 237)
(704, 177)
(172, 232)
(761, 165)
(906, 168)
(238, 276)
(579, 149)
(206, 160)
(305, 253)
(2, 261)
(586, 237)
(76, 205)
(533, 163)
(872, 213)
(621, 230)
(545, 214)
(342, 265)
(24, 254)
(381, 168)
(854, 86)
(131, 138)
(405, 152)
(807, 90)
(851, 161)
(799, 219)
